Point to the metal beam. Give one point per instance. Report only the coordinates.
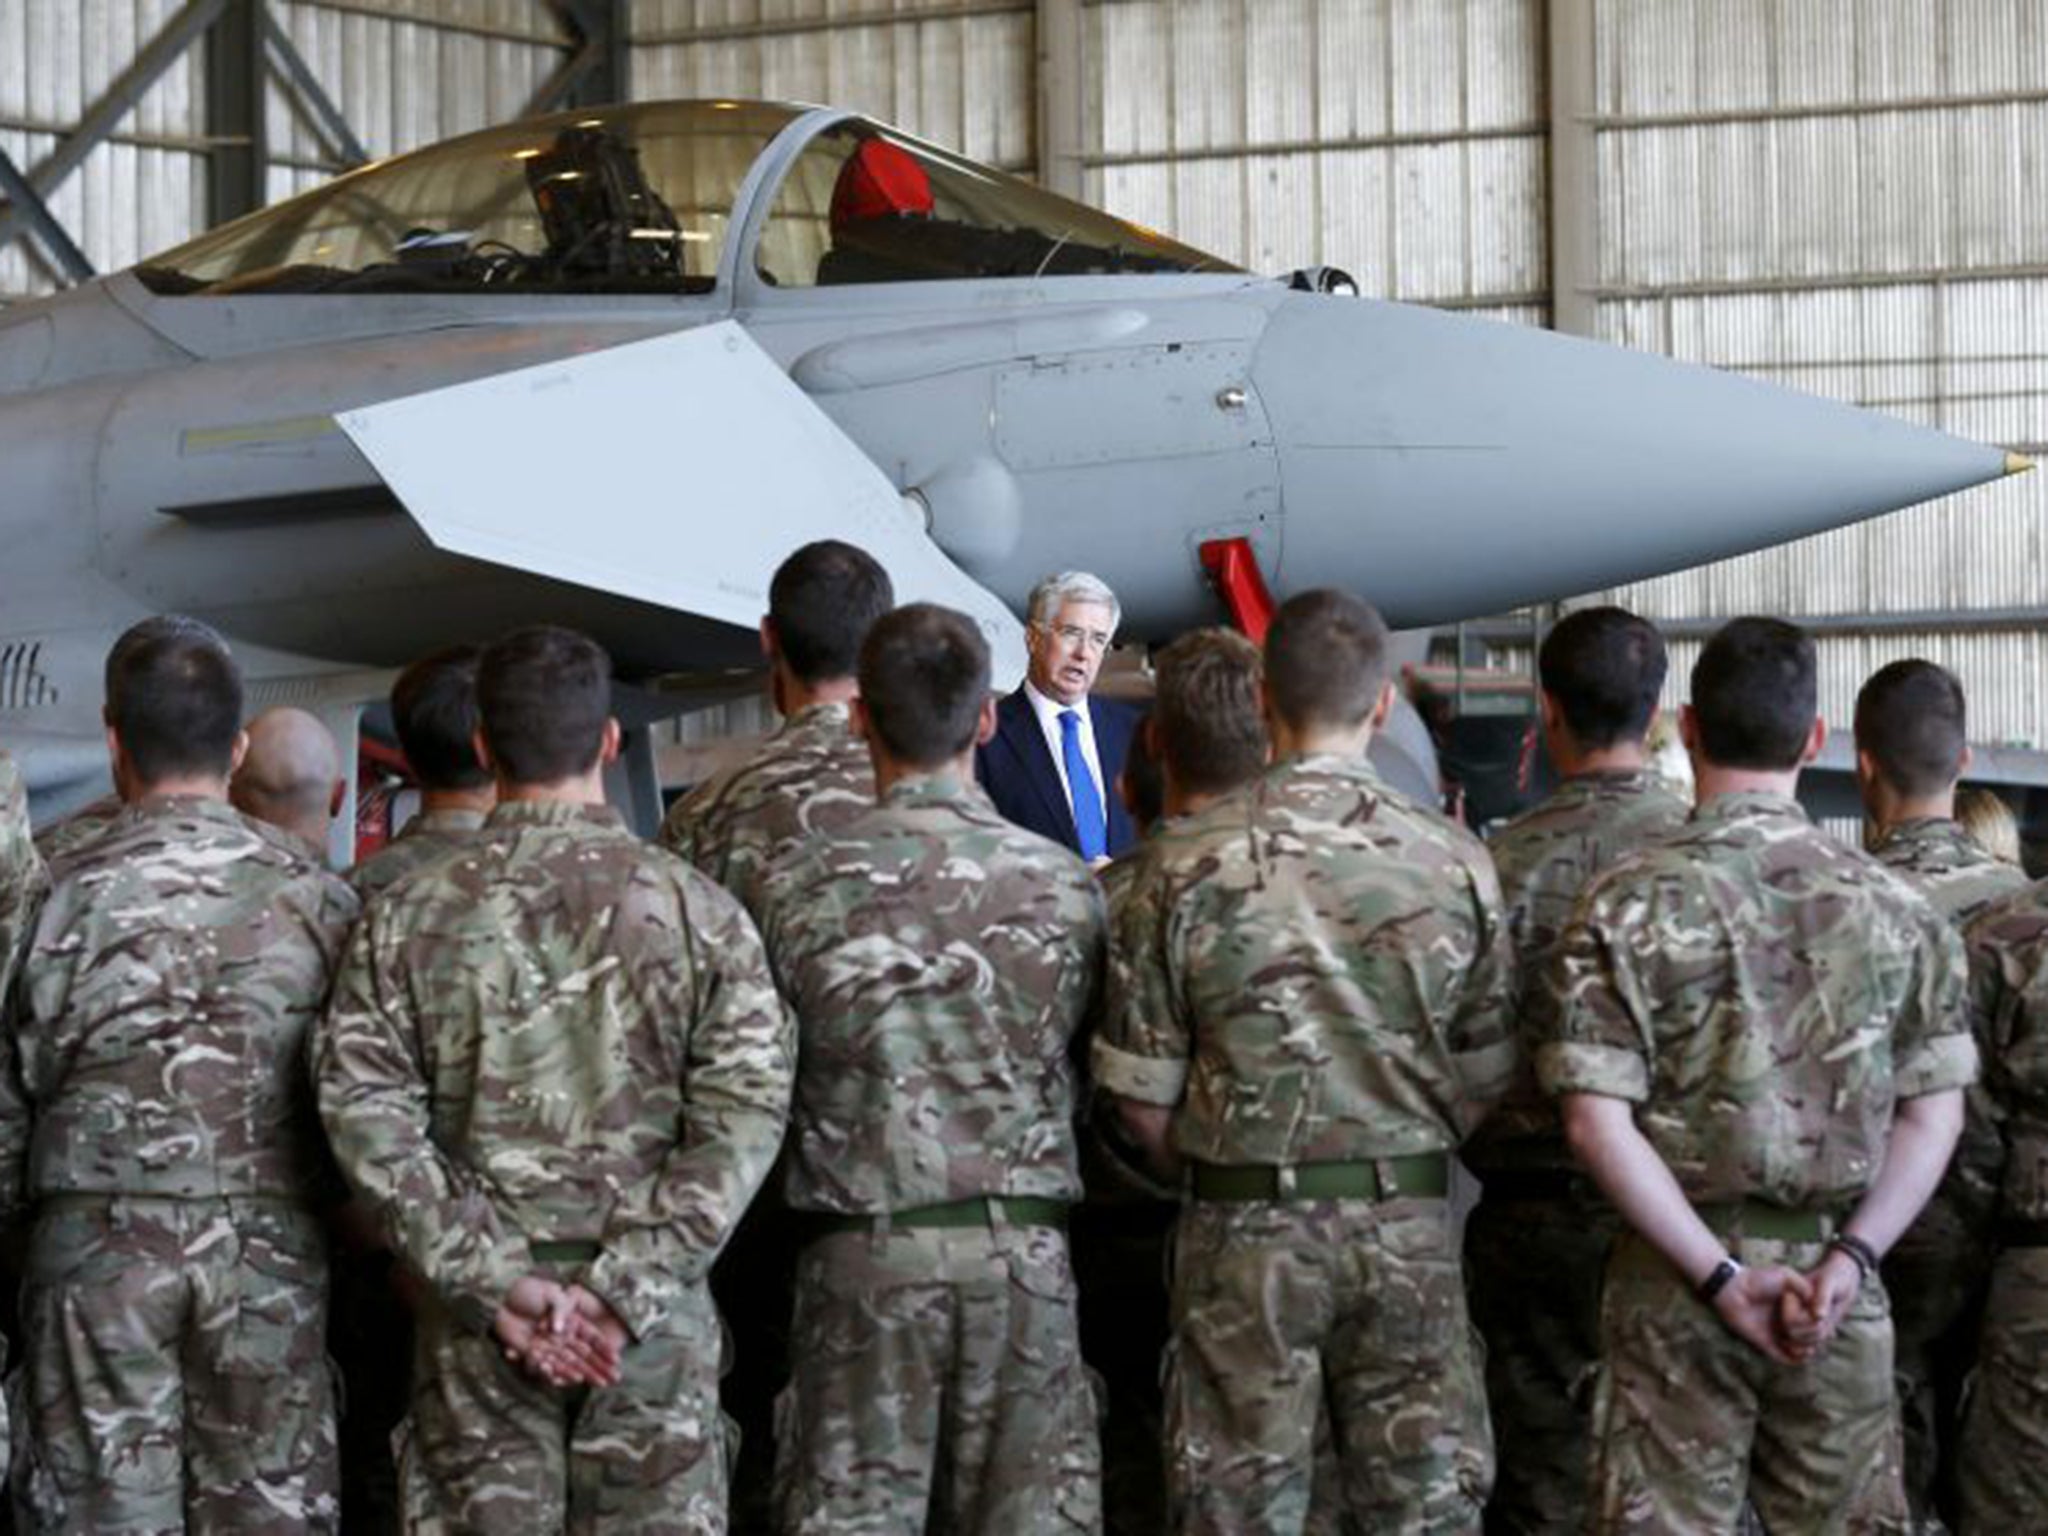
(238, 169)
(1425, 138)
(49, 230)
(1574, 169)
(312, 95)
(1062, 114)
(1515, 631)
(748, 31)
(595, 72)
(163, 50)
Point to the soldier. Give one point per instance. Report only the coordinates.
(1535, 1247)
(940, 961)
(433, 707)
(153, 1112)
(1309, 1008)
(1203, 739)
(1758, 1038)
(22, 882)
(812, 775)
(291, 776)
(2002, 1455)
(556, 1068)
(1911, 747)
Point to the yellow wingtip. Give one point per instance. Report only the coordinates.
(2017, 463)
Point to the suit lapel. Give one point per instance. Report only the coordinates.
(1027, 741)
(1110, 745)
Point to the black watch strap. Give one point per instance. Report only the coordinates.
(1864, 1256)
(1717, 1282)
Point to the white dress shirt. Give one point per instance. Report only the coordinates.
(1048, 712)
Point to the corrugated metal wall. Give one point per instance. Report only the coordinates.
(1402, 140)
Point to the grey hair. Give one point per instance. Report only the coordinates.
(1053, 592)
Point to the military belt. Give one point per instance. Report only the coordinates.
(1518, 1184)
(985, 1211)
(1418, 1176)
(1773, 1223)
(568, 1251)
(2023, 1234)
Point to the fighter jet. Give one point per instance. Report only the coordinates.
(608, 367)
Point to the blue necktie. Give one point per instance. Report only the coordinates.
(1088, 823)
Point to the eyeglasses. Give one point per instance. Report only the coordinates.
(1075, 635)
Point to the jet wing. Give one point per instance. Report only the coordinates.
(678, 471)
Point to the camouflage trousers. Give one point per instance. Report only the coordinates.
(1285, 1313)
(174, 1373)
(489, 1449)
(1936, 1276)
(1689, 1419)
(2004, 1460)
(937, 1387)
(1533, 1270)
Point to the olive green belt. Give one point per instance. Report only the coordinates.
(1773, 1223)
(979, 1211)
(568, 1251)
(1417, 1176)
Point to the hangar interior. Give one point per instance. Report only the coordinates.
(1836, 195)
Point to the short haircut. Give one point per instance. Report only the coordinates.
(174, 699)
(1055, 592)
(1211, 730)
(1754, 695)
(1326, 659)
(823, 601)
(1143, 791)
(924, 672)
(543, 694)
(1605, 668)
(433, 705)
(1909, 718)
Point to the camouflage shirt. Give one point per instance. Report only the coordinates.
(158, 1037)
(2008, 949)
(1764, 995)
(60, 839)
(22, 880)
(1947, 866)
(420, 842)
(811, 776)
(1314, 969)
(557, 1033)
(940, 962)
(1545, 858)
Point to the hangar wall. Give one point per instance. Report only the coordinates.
(1840, 195)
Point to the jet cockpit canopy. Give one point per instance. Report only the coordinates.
(642, 199)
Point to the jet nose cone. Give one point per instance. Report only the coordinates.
(1445, 466)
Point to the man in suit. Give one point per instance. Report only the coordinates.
(1056, 752)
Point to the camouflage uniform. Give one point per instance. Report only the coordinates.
(60, 839)
(1313, 974)
(369, 1321)
(1937, 1273)
(22, 883)
(811, 776)
(2003, 1448)
(420, 842)
(1764, 997)
(940, 962)
(558, 1050)
(155, 1113)
(1538, 1242)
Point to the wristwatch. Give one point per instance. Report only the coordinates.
(1717, 1282)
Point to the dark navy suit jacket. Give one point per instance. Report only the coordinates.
(1018, 773)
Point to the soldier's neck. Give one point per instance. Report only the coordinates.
(1893, 809)
(1574, 762)
(476, 801)
(196, 787)
(1711, 781)
(792, 695)
(889, 772)
(579, 789)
